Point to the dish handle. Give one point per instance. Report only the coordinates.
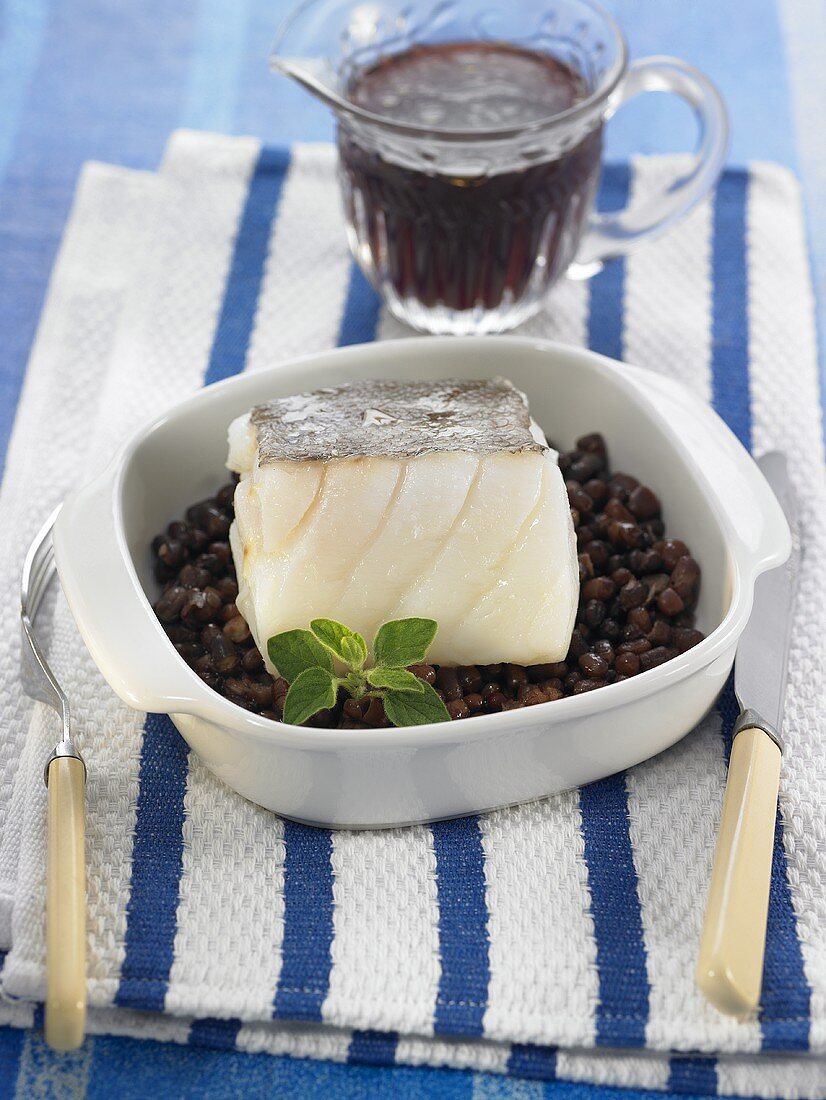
(744, 497)
(110, 608)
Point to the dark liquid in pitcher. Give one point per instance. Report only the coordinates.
(482, 232)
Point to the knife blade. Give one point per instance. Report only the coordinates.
(761, 668)
(733, 943)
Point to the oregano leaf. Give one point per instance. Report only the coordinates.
(403, 642)
(312, 691)
(408, 708)
(397, 679)
(294, 651)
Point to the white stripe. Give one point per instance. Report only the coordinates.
(488, 1057)
(786, 414)
(564, 315)
(60, 394)
(43, 1075)
(308, 266)
(544, 981)
(647, 1071)
(16, 1014)
(385, 949)
(667, 323)
(329, 1044)
(773, 1078)
(138, 1025)
(230, 918)
(190, 155)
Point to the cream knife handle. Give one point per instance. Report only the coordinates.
(730, 967)
(66, 905)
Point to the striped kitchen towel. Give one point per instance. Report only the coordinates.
(555, 940)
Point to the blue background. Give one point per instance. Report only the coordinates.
(107, 80)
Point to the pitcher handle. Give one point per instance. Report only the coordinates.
(610, 235)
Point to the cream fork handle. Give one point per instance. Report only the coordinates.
(66, 905)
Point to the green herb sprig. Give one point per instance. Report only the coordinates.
(307, 659)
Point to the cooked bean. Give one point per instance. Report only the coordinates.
(598, 551)
(252, 660)
(643, 502)
(632, 595)
(596, 489)
(593, 613)
(586, 685)
(448, 682)
(192, 576)
(615, 509)
(672, 550)
(458, 708)
(469, 677)
(168, 607)
(224, 654)
(669, 602)
(600, 588)
(586, 568)
(593, 665)
(655, 657)
(627, 664)
(237, 631)
(584, 467)
(684, 576)
(685, 638)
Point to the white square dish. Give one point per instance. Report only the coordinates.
(714, 497)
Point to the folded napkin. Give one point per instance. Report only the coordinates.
(555, 940)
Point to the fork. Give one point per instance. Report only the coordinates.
(65, 776)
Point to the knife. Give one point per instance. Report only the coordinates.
(730, 966)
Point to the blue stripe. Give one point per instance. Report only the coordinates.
(361, 310)
(24, 28)
(532, 1062)
(693, 1074)
(246, 274)
(607, 288)
(624, 989)
(211, 92)
(729, 324)
(11, 1047)
(463, 927)
(622, 1011)
(308, 923)
(157, 857)
(216, 1034)
(373, 1048)
(786, 998)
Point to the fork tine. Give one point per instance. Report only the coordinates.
(33, 563)
(44, 571)
(39, 568)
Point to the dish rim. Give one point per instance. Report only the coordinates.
(203, 701)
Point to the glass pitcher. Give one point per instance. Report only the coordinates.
(466, 195)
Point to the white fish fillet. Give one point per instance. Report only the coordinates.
(479, 538)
